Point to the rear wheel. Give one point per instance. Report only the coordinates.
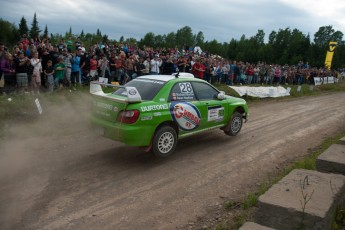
(164, 141)
(235, 124)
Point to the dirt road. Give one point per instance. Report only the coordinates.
(57, 174)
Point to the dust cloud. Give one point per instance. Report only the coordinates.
(28, 149)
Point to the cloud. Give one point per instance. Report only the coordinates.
(218, 19)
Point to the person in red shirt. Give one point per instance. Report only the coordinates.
(25, 42)
(93, 66)
(198, 69)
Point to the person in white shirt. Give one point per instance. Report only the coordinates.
(156, 63)
(36, 75)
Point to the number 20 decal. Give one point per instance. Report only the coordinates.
(186, 87)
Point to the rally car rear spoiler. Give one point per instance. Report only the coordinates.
(131, 93)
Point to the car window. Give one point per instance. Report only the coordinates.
(182, 91)
(204, 91)
(147, 88)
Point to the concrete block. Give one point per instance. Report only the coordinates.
(281, 207)
(253, 226)
(332, 160)
(342, 141)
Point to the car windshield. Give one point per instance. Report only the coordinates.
(147, 88)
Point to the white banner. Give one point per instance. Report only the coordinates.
(324, 80)
(262, 91)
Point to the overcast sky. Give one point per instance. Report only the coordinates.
(217, 19)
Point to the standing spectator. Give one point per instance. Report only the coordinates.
(103, 65)
(120, 69)
(262, 73)
(168, 66)
(69, 44)
(256, 74)
(2, 59)
(30, 51)
(9, 74)
(62, 45)
(25, 42)
(277, 74)
(147, 64)
(139, 67)
(198, 69)
(156, 63)
(207, 73)
(85, 68)
(59, 72)
(75, 73)
(129, 65)
(36, 74)
(54, 54)
(21, 64)
(112, 67)
(93, 66)
(250, 73)
(77, 43)
(68, 60)
(225, 72)
(45, 56)
(49, 75)
(184, 64)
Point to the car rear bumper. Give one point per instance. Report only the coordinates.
(132, 135)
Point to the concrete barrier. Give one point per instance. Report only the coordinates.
(254, 226)
(302, 198)
(332, 160)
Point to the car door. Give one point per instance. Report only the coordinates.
(184, 107)
(211, 108)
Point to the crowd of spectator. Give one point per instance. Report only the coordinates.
(35, 65)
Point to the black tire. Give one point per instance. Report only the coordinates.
(235, 124)
(164, 141)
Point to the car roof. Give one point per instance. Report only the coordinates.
(166, 78)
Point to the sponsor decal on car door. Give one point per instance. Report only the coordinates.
(186, 115)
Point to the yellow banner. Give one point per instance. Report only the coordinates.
(329, 55)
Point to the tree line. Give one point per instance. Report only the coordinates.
(285, 46)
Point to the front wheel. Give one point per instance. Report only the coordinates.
(235, 124)
(164, 141)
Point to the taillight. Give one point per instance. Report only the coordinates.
(128, 116)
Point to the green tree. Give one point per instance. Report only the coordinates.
(148, 40)
(323, 36)
(122, 39)
(199, 39)
(184, 37)
(159, 41)
(260, 37)
(9, 33)
(23, 26)
(45, 33)
(170, 40)
(35, 30)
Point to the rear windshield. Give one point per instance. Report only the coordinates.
(147, 88)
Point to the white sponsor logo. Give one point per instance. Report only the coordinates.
(154, 108)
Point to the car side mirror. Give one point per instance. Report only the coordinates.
(221, 95)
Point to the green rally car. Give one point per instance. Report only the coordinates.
(154, 111)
